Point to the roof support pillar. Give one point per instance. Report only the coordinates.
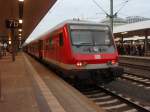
(122, 39)
(13, 43)
(111, 14)
(146, 42)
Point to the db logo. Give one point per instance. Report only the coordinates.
(97, 56)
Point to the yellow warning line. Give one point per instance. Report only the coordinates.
(51, 100)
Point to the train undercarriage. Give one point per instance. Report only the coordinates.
(94, 76)
(99, 76)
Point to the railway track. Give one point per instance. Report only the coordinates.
(143, 67)
(137, 80)
(137, 73)
(135, 62)
(112, 101)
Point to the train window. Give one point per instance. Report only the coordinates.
(61, 41)
(46, 44)
(51, 42)
(101, 38)
(81, 37)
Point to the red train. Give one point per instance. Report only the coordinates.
(79, 49)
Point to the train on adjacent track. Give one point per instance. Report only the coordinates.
(80, 50)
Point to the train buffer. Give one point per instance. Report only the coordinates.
(26, 88)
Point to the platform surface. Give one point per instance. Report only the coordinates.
(16, 89)
(27, 86)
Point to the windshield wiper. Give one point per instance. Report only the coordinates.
(83, 43)
(102, 44)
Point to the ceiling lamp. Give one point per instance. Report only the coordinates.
(123, 33)
(21, 0)
(20, 21)
(20, 30)
(9, 42)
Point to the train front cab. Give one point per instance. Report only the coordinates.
(93, 53)
(82, 51)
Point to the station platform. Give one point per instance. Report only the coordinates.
(138, 65)
(135, 57)
(27, 86)
(136, 60)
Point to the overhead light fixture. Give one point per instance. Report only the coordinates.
(19, 34)
(124, 33)
(9, 42)
(20, 21)
(9, 35)
(20, 38)
(20, 30)
(21, 0)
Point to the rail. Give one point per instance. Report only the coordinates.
(126, 100)
(99, 93)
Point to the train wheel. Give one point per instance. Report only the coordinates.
(96, 77)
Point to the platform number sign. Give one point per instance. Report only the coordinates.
(12, 23)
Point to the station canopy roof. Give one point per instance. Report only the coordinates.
(134, 29)
(33, 12)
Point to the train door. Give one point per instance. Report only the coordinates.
(57, 48)
(61, 51)
(40, 49)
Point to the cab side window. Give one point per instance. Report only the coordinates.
(51, 42)
(61, 40)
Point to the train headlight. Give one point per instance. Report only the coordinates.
(113, 62)
(79, 64)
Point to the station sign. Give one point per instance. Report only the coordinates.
(12, 23)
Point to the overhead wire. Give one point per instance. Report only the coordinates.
(124, 4)
(115, 14)
(122, 7)
(100, 7)
(118, 5)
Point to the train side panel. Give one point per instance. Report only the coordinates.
(57, 47)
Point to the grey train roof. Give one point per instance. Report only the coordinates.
(69, 22)
(76, 22)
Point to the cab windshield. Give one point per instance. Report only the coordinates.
(90, 37)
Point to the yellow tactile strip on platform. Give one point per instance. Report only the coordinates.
(52, 102)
